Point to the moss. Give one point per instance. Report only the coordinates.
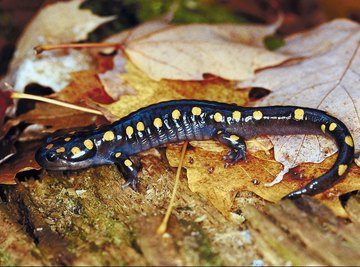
(188, 11)
(6, 259)
(273, 42)
(207, 257)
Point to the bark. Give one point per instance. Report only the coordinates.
(85, 218)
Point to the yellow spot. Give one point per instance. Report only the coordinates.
(218, 117)
(140, 126)
(109, 136)
(129, 131)
(342, 169)
(67, 139)
(323, 128)
(196, 111)
(299, 114)
(127, 163)
(117, 155)
(158, 122)
(176, 114)
(332, 126)
(234, 137)
(257, 115)
(49, 146)
(219, 132)
(88, 144)
(236, 115)
(349, 141)
(60, 149)
(75, 150)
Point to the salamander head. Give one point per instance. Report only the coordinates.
(69, 153)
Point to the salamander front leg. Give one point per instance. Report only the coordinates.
(127, 169)
(237, 145)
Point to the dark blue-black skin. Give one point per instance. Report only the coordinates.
(174, 121)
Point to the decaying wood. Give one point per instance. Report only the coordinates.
(303, 232)
(85, 218)
(16, 246)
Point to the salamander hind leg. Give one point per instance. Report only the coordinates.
(127, 169)
(237, 145)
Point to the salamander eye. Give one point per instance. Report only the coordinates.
(51, 156)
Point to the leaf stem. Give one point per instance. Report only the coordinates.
(47, 47)
(18, 95)
(163, 225)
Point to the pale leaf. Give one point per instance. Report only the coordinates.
(51, 69)
(187, 52)
(112, 81)
(328, 80)
(62, 22)
(320, 40)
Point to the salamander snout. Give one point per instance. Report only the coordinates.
(63, 154)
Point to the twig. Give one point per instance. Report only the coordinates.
(41, 48)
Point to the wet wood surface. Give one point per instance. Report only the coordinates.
(85, 218)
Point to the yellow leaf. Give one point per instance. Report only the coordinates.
(148, 91)
(207, 176)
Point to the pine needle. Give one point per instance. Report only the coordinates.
(163, 226)
(17, 95)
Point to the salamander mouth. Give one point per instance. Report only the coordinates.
(50, 160)
(40, 157)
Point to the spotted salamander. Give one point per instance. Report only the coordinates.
(179, 120)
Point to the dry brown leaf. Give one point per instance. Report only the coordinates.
(328, 79)
(23, 161)
(207, 175)
(44, 119)
(54, 117)
(187, 52)
(62, 22)
(84, 85)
